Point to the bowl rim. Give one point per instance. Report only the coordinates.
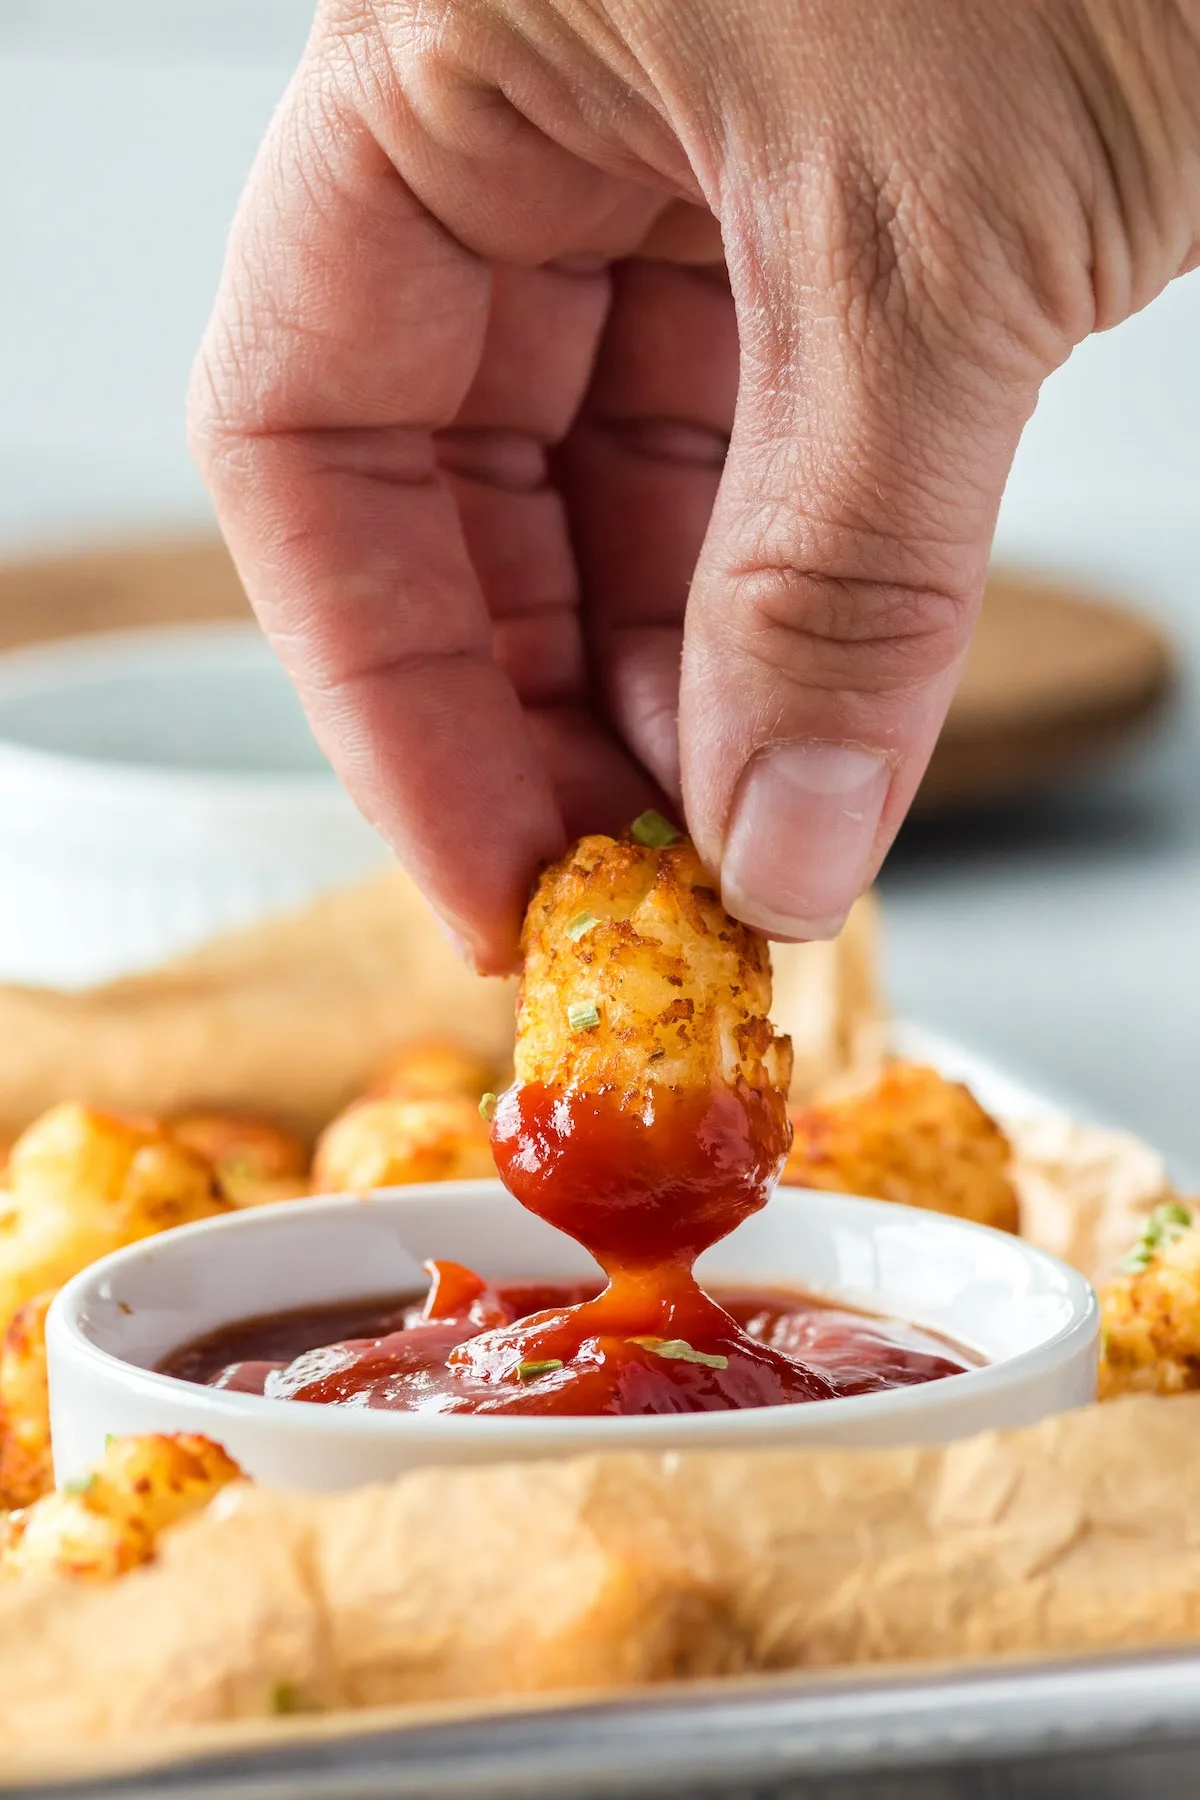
(63, 1326)
(135, 650)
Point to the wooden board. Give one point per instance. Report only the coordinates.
(1055, 679)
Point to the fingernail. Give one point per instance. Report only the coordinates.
(802, 837)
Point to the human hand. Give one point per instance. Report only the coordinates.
(465, 401)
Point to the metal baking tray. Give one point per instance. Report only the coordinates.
(1111, 1728)
(1104, 1728)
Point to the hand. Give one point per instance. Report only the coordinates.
(552, 518)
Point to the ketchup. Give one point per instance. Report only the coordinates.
(645, 1191)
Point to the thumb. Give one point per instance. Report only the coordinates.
(841, 576)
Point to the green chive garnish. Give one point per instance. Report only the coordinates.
(529, 1371)
(584, 1015)
(1166, 1225)
(80, 1484)
(1171, 1212)
(487, 1106)
(651, 829)
(581, 924)
(679, 1350)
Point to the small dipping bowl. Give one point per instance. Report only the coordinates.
(1034, 1321)
(158, 787)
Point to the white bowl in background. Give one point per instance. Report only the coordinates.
(157, 787)
(1033, 1319)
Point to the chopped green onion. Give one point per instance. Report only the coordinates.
(581, 924)
(80, 1484)
(487, 1106)
(1166, 1225)
(1171, 1212)
(110, 1437)
(679, 1350)
(529, 1371)
(651, 829)
(584, 1015)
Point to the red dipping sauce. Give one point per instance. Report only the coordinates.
(395, 1353)
(645, 1192)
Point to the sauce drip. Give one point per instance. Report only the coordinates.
(645, 1191)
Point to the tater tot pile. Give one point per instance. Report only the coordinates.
(1150, 1311)
(915, 1138)
(79, 1184)
(635, 977)
(111, 1520)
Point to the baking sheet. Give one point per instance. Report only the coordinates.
(1105, 1728)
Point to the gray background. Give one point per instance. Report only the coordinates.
(1063, 943)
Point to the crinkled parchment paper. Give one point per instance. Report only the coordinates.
(606, 1572)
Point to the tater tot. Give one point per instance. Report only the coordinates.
(636, 979)
(255, 1163)
(1150, 1310)
(82, 1183)
(26, 1466)
(111, 1520)
(393, 1143)
(915, 1138)
(432, 1069)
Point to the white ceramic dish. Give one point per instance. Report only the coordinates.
(1033, 1319)
(157, 787)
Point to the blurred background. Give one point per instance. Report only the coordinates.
(1056, 933)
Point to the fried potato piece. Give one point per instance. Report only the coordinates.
(1150, 1310)
(393, 1143)
(111, 1520)
(680, 992)
(255, 1163)
(430, 1069)
(915, 1138)
(82, 1183)
(26, 1466)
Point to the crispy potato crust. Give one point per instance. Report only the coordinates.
(392, 1143)
(1150, 1311)
(111, 1521)
(680, 990)
(255, 1163)
(82, 1183)
(915, 1138)
(26, 1467)
(79, 1184)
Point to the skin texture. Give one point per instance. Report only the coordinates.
(608, 402)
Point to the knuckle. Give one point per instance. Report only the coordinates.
(835, 632)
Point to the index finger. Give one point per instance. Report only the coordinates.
(347, 329)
